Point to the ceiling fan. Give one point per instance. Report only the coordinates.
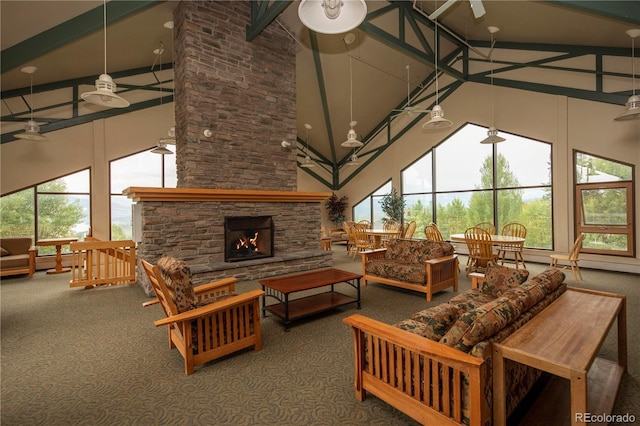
(408, 108)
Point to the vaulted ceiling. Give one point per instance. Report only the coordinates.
(393, 51)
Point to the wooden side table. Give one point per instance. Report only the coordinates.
(58, 242)
(564, 340)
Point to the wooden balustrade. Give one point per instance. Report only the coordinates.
(95, 262)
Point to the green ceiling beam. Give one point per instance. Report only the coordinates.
(70, 31)
(262, 14)
(87, 118)
(426, 55)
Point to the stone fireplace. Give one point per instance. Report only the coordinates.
(245, 93)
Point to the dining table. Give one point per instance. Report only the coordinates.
(378, 233)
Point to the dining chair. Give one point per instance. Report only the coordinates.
(432, 233)
(351, 245)
(362, 239)
(480, 248)
(572, 257)
(410, 230)
(365, 223)
(391, 226)
(487, 226)
(513, 229)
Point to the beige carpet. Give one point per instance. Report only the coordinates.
(93, 357)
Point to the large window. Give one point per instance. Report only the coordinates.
(604, 205)
(141, 169)
(369, 208)
(462, 182)
(55, 209)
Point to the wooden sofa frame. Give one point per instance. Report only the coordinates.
(211, 331)
(397, 368)
(440, 274)
(29, 268)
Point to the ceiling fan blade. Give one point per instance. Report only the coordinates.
(441, 9)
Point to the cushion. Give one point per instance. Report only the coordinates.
(551, 279)
(414, 273)
(4, 252)
(498, 279)
(177, 276)
(416, 251)
(437, 320)
(526, 295)
(480, 323)
(470, 299)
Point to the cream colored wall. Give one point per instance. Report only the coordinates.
(567, 124)
(25, 163)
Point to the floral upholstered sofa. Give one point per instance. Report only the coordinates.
(419, 265)
(436, 365)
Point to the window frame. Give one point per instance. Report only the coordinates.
(579, 213)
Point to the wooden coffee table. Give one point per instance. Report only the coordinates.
(289, 310)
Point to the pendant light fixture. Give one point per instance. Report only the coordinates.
(332, 16)
(633, 104)
(492, 133)
(437, 120)
(31, 129)
(352, 137)
(307, 163)
(104, 95)
(162, 142)
(354, 161)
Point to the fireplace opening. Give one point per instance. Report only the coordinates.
(247, 238)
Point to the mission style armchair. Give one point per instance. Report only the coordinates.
(204, 322)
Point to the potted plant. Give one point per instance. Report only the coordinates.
(392, 205)
(335, 207)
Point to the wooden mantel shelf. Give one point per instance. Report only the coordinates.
(137, 193)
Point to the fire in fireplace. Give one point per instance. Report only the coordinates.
(247, 238)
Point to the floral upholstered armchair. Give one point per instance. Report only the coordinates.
(204, 322)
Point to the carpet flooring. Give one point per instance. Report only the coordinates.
(93, 357)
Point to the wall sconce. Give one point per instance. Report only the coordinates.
(207, 133)
(285, 144)
(332, 16)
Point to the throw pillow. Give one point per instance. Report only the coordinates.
(177, 276)
(437, 320)
(4, 252)
(498, 279)
(551, 279)
(481, 323)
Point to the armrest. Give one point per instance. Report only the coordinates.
(215, 285)
(444, 259)
(212, 307)
(374, 254)
(435, 350)
(205, 289)
(476, 279)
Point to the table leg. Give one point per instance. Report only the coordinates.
(499, 397)
(58, 269)
(578, 396)
(622, 335)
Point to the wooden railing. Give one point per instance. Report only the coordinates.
(95, 262)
